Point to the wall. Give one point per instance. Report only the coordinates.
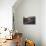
(6, 19)
(28, 8)
(6, 13)
(43, 22)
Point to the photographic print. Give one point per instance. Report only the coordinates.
(29, 20)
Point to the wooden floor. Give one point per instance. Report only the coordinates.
(9, 43)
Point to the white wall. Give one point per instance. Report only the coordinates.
(43, 22)
(29, 8)
(6, 13)
(32, 30)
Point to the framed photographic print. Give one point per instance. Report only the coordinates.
(29, 20)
